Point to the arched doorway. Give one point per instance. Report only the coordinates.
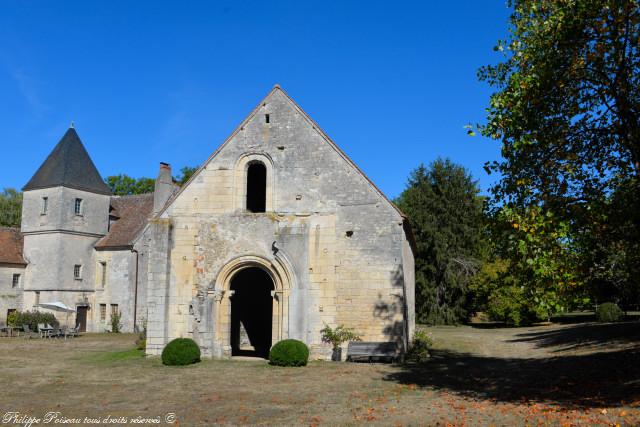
(251, 312)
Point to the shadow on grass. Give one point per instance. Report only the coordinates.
(596, 336)
(594, 380)
(490, 325)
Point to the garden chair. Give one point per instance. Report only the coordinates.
(27, 331)
(52, 331)
(65, 332)
(74, 332)
(41, 329)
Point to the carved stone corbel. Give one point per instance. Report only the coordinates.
(216, 294)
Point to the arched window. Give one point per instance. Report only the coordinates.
(256, 187)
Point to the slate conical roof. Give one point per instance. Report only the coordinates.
(68, 165)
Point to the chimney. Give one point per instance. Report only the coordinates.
(164, 187)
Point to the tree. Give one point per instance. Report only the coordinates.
(446, 213)
(567, 112)
(124, 185)
(185, 173)
(10, 208)
(540, 256)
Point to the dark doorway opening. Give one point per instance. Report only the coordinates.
(9, 312)
(251, 313)
(81, 317)
(256, 187)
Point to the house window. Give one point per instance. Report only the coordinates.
(103, 273)
(37, 298)
(45, 205)
(77, 271)
(77, 207)
(103, 312)
(266, 118)
(256, 187)
(114, 309)
(15, 282)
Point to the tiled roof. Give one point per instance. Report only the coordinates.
(69, 165)
(132, 213)
(11, 246)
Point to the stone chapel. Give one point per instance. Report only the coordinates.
(277, 234)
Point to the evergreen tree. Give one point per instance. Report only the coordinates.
(446, 212)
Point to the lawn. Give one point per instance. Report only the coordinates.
(582, 374)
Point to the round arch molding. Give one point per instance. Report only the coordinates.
(282, 283)
(240, 180)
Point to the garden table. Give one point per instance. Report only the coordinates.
(45, 332)
(9, 330)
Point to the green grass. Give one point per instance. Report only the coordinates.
(545, 375)
(115, 356)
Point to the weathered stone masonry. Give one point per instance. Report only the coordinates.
(335, 248)
(276, 235)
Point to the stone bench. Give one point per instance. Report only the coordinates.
(363, 350)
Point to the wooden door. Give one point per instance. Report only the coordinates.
(81, 317)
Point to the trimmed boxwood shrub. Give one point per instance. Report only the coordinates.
(609, 312)
(289, 353)
(181, 351)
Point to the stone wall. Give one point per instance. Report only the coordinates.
(340, 242)
(60, 213)
(10, 297)
(118, 288)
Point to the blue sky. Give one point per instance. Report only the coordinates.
(393, 83)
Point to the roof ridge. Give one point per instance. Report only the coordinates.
(122, 196)
(340, 152)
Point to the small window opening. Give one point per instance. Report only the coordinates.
(256, 187)
(45, 205)
(15, 281)
(78, 207)
(103, 312)
(77, 271)
(266, 118)
(37, 297)
(349, 233)
(103, 275)
(114, 310)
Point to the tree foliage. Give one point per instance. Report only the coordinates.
(124, 185)
(185, 174)
(567, 111)
(10, 208)
(446, 213)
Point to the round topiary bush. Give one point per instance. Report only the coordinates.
(289, 353)
(609, 312)
(181, 351)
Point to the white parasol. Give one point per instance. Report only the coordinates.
(57, 306)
